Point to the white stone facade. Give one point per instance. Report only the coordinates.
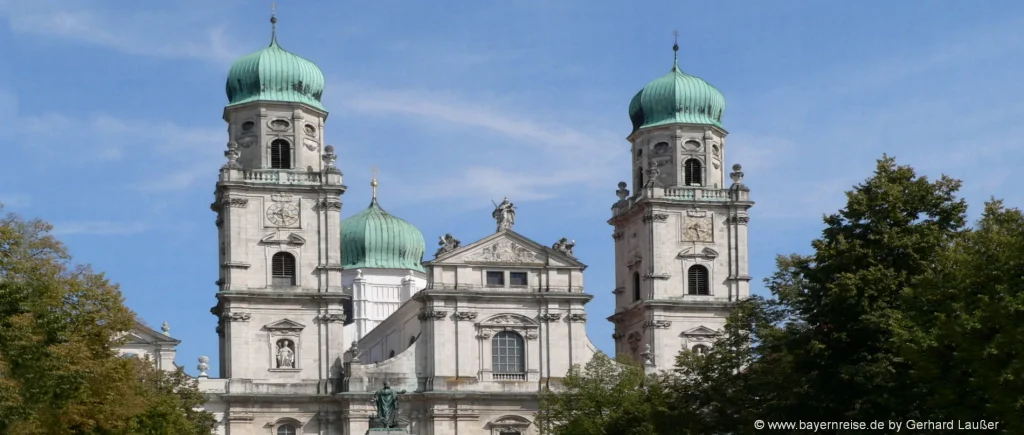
(376, 294)
(680, 244)
(489, 325)
(145, 343)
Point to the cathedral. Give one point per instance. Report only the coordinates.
(316, 312)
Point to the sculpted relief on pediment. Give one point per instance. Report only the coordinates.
(503, 251)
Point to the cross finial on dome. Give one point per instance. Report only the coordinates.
(675, 49)
(273, 22)
(373, 182)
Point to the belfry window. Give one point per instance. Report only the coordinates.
(283, 269)
(280, 154)
(639, 179)
(636, 286)
(693, 173)
(508, 357)
(698, 280)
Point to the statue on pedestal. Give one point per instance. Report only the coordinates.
(386, 402)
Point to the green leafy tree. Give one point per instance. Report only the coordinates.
(964, 340)
(825, 346)
(58, 326)
(604, 397)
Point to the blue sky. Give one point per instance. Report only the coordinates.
(114, 134)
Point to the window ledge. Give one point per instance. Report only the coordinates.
(286, 370)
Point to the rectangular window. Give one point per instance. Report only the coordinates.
(517, 278)
(495, 279)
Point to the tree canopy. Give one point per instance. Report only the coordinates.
(900, 312)
(59, 373)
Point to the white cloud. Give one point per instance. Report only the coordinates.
(559, 156)
(98, 228)
(103, 137)
(165, 33)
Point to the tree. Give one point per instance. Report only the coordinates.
(826, 346)
(603, 398)
(58, 326)
(964, 339)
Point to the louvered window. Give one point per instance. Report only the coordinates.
(693, 173)
(280, 154)
(283, 269)
(698, 280)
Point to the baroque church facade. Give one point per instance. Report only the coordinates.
(315, 313)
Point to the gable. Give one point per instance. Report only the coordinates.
(142, 334)
(506, 248)
(701, 331)
(284, 325)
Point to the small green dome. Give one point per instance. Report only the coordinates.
(676, 97)
(273, 74)
(373, 238)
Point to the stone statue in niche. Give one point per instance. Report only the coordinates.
(505, 214)
(447, 244)
(285, 354)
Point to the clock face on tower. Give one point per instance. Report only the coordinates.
(283, 214)
(698, 229)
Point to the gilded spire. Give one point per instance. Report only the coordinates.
(273, 22)
(373, 183)
(675, 50)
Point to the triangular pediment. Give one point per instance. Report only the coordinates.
(701, 331)
(285, 325)
(142, 334)
(507, 248)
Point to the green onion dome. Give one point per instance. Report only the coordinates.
(373, 238)
(274, 74)
(676, 97)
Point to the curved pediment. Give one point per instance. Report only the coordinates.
(510, 319)
(707, 253)
(510, 423)
(277, 239)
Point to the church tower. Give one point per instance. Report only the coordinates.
(278, 204)
(681, 235)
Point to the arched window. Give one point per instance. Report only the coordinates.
(693, 174)
(280, 154)
(391, 355)
(412, 340)
(701, 350)
(639, 179)
(286, 429)
(636, 286)
(508, 357)
(698, 280)
(283, 269)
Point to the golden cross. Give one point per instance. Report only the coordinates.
(273, 21)
(373, 181)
